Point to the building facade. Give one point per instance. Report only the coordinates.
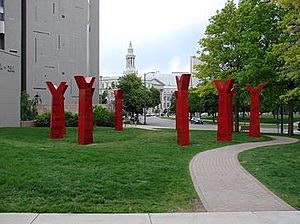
(10, 75)
(47, 40)
(2, 24)
(62, 40)
(56, 39)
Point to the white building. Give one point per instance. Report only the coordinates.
(165, 83)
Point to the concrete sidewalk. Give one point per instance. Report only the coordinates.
(278, 217)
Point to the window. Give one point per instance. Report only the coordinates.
(1, 16)
(2, 41)
(1, 3)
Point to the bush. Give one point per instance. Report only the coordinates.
(28, 107)
(71, 119)
(43, 120)
(102, 117)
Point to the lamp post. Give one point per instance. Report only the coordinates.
(145, 74)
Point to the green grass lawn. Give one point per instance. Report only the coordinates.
(278, 168)
(130, 171)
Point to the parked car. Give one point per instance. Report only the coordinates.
(195, 120)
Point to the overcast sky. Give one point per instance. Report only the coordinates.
(164, 33)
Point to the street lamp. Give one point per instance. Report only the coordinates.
(145, 74)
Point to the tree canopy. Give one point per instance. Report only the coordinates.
(136, 96)
(256, 41)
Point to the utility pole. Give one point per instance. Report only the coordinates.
(145, 74)
(145, 107)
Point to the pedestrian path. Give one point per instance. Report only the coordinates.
(289, 217)
(224, 185)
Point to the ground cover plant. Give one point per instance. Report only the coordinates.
(130, 171)
(278, 168)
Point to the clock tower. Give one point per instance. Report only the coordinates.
(130, 61)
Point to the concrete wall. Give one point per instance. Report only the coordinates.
(9, 90)
(13, 26)
(57, 46)
(94, 53)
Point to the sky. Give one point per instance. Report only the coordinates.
(164, 33)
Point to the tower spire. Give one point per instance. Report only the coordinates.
(130, 61)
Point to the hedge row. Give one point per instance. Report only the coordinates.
(102, 117)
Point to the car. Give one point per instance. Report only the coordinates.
(195, 120)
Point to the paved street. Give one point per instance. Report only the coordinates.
(169, 123)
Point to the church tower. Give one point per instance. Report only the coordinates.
(130, 61)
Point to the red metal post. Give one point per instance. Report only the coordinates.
(182, 105)
(57, 123)
(177, 110)
(118, 110)
(230, 108)
(254, 129)
(85, 120)
(224, 128)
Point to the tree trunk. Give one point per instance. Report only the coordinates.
(236, 113)
(290, 118)
(281, 119)
(213, 115)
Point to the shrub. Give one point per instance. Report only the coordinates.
(43, 120)
(102, 117)
(71, 119)
(28, 107)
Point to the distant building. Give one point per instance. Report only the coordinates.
(165, 83)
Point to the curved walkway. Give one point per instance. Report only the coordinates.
(224, 185)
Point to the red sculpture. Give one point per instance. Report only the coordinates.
(254, 129)
(85, 120)
(230, 108)
(177, 109)
(182, 109)
(224, 111)
(57, 123)
(118, 110)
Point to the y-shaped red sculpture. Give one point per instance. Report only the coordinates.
(85, 120)
(254, 129)
(182, 105)
(118, 110)
(57, 123)
(224, 113)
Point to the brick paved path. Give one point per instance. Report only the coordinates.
(224, 185)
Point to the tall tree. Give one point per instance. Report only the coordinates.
(195, 103)
(135, 96)
(154, 97)
(237, 45)
(288, 53)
